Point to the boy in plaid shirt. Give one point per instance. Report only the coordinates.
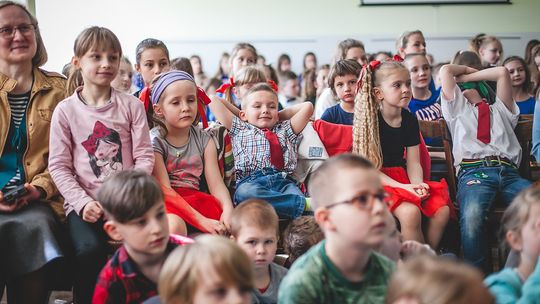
(133, 204)
(266, 149)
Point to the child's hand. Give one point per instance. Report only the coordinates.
(472, 96)
(92, 212)
(464, 77)
(213, 227)
(411, 248)
(417, 189)
(225, 219)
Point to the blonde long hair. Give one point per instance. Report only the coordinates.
(366, 138)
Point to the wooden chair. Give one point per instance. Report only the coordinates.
(437, 128)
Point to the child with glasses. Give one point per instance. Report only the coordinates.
(350, 207)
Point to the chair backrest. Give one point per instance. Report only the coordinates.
(523, 132)
(437, 128)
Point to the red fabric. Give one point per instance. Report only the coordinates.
(144, 96)
(438, 193)
(225, 86)
(276, 153)
(180, 200)
(337, 139)
(273, 85)
(120, 281)
(425, 159)
(483, 131)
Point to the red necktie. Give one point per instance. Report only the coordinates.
(483, 131)
(276, 154)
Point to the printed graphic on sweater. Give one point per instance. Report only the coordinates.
(104, 151)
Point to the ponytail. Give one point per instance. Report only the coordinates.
(476, 42)
(366, 140)
(74, 80)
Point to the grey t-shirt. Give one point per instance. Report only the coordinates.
(270, 295)
(185, 164)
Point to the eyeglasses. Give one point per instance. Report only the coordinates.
(365, 200)
(9, 31)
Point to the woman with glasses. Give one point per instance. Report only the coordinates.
(29, 227)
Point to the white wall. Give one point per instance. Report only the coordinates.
(209, 27)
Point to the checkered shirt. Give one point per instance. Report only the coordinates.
(251, 149)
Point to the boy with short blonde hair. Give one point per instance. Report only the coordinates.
(350, 207)
(255, 228)
(133, 204)
(265, 149)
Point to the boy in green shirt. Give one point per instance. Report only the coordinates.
(350, 207)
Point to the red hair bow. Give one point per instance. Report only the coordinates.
(203, 101)
(144, 96)
(225, 86)
(373, 65)
(397, 58)
(273, 85)
(100, 131)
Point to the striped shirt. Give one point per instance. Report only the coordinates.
(18, 104)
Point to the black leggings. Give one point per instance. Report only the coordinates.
(90, 255)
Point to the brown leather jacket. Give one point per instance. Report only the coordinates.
(48, 90)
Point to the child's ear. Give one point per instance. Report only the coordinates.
(242, 115)
(137, 67)
(157, 110)
(112, 230)
(235, 91)
(232, 238)
(322, 217)
(378, 93)
(75, 61)
(514, 240)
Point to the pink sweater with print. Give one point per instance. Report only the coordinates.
(88, 144)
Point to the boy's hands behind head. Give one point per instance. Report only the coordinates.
(472, 96)
(92, 211)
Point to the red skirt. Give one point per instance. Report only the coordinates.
(438, 193)
(177, 203)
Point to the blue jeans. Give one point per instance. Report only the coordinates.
(477, 189)
(276, 188)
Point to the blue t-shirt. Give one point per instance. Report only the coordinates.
(337, 115)
(526, 106)
(429, 109)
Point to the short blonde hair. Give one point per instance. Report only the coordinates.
(265, 87)
(321, 182)
(254, 212)
(435, 280)
(517, 214)
(186, 265)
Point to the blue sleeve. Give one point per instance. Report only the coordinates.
(536, 132)
(530, 293)
(328, 115)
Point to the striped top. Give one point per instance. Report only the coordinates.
(18, 104)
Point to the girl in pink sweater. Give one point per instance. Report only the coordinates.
(95, 133)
